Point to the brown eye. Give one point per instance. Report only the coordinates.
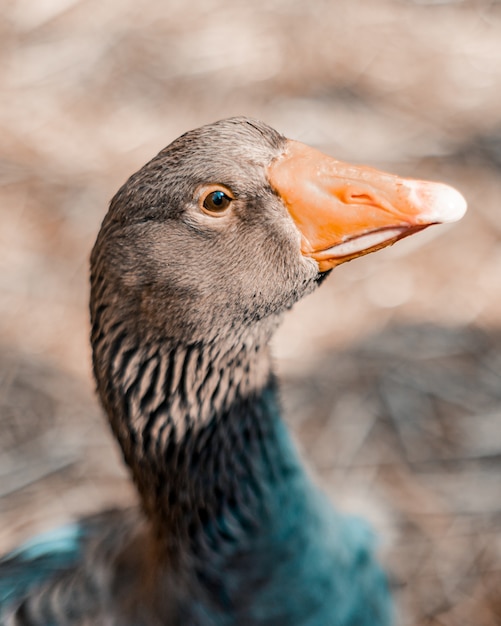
(216, 202)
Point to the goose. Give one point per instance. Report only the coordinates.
(201, 253)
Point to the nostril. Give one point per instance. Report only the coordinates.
(361, 197)
(356, 196)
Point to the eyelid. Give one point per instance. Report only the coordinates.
(205, 190)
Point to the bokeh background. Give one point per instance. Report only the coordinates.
(392, 371)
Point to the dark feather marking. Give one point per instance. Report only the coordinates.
(170, 373)
(161, 411)
(98, 312)
(130, 391)
(114, 346)
(149, 394)
(22, 615)
(184, 382)
(126, 356)
(109, 331)
(216, 390)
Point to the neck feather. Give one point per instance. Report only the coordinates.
(236, 522)
(200, 429)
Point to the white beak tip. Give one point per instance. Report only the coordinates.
(440, 203)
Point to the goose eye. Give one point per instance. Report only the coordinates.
(216, 202)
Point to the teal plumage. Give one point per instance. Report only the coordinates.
(313, 552)
(38, 559)
(200, 254)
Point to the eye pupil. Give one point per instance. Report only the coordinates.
(216, 201)
(218, 198)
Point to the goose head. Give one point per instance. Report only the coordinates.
(233, 223)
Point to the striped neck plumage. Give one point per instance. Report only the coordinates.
(196, 423)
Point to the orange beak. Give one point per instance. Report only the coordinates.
(345, 211)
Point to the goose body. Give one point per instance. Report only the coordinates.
(200, 254)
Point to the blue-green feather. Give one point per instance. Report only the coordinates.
(309, 564)
(290, 558)
(331, 575)
(37, 560)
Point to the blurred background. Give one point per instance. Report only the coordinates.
(392, 371)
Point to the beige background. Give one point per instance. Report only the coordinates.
(392, 370)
